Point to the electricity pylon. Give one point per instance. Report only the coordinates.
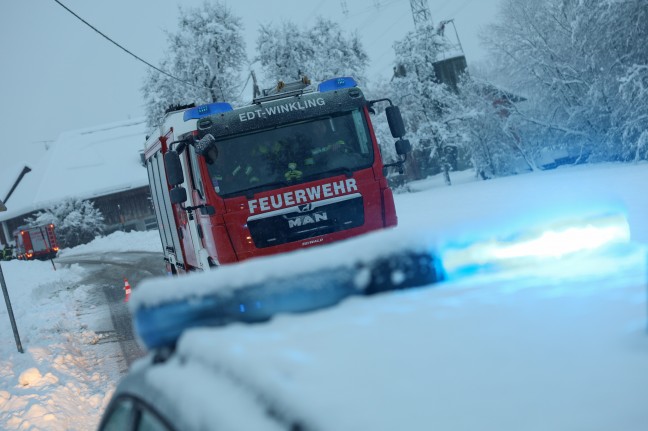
(420, 12)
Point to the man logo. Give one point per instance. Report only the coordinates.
(307, 219)
(304, 208)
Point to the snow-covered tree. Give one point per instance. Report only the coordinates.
(633, 114)
(424, 101)
(581, 64)
(320, 52)
(206, 53)
(496, 142)
(283, 51)
(75, 221)
(336, 53)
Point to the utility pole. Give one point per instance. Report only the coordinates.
(420, 13)
(5, 293)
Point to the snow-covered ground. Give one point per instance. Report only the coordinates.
(563, 352)
(68, 371)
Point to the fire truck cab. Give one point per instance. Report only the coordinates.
(298, 167)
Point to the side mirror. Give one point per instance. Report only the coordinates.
(173, 168)
(403, 147)
(395, 121)
(206, 147)
(178, 195)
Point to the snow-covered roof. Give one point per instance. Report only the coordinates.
(84, 163)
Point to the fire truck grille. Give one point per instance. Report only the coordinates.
(307, 221)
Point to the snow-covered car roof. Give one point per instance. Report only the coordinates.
(415, 359)
(487, 352)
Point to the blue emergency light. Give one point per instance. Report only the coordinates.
(163, 324)
(337, 84)
(205, 110)
(535, 247)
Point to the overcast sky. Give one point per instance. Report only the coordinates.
(57, 74)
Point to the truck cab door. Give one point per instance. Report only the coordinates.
(188, 217)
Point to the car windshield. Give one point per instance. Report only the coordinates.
(292, 154)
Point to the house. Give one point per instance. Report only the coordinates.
(101, 164)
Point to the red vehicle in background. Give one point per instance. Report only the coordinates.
(37, 242)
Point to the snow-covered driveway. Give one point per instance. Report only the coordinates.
(107, 271)
(75, 331)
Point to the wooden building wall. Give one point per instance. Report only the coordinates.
(127, 210)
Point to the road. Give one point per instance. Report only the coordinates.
(106, 271)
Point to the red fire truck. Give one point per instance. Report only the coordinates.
(298, 167)
(36, 242)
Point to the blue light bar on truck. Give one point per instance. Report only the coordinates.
(337, 84)
(206, 110)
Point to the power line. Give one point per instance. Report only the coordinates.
(127, 51)
(371, 9)
(245, 85)
(403, 13)
(385, 32)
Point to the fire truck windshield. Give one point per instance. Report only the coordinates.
(292, 154)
